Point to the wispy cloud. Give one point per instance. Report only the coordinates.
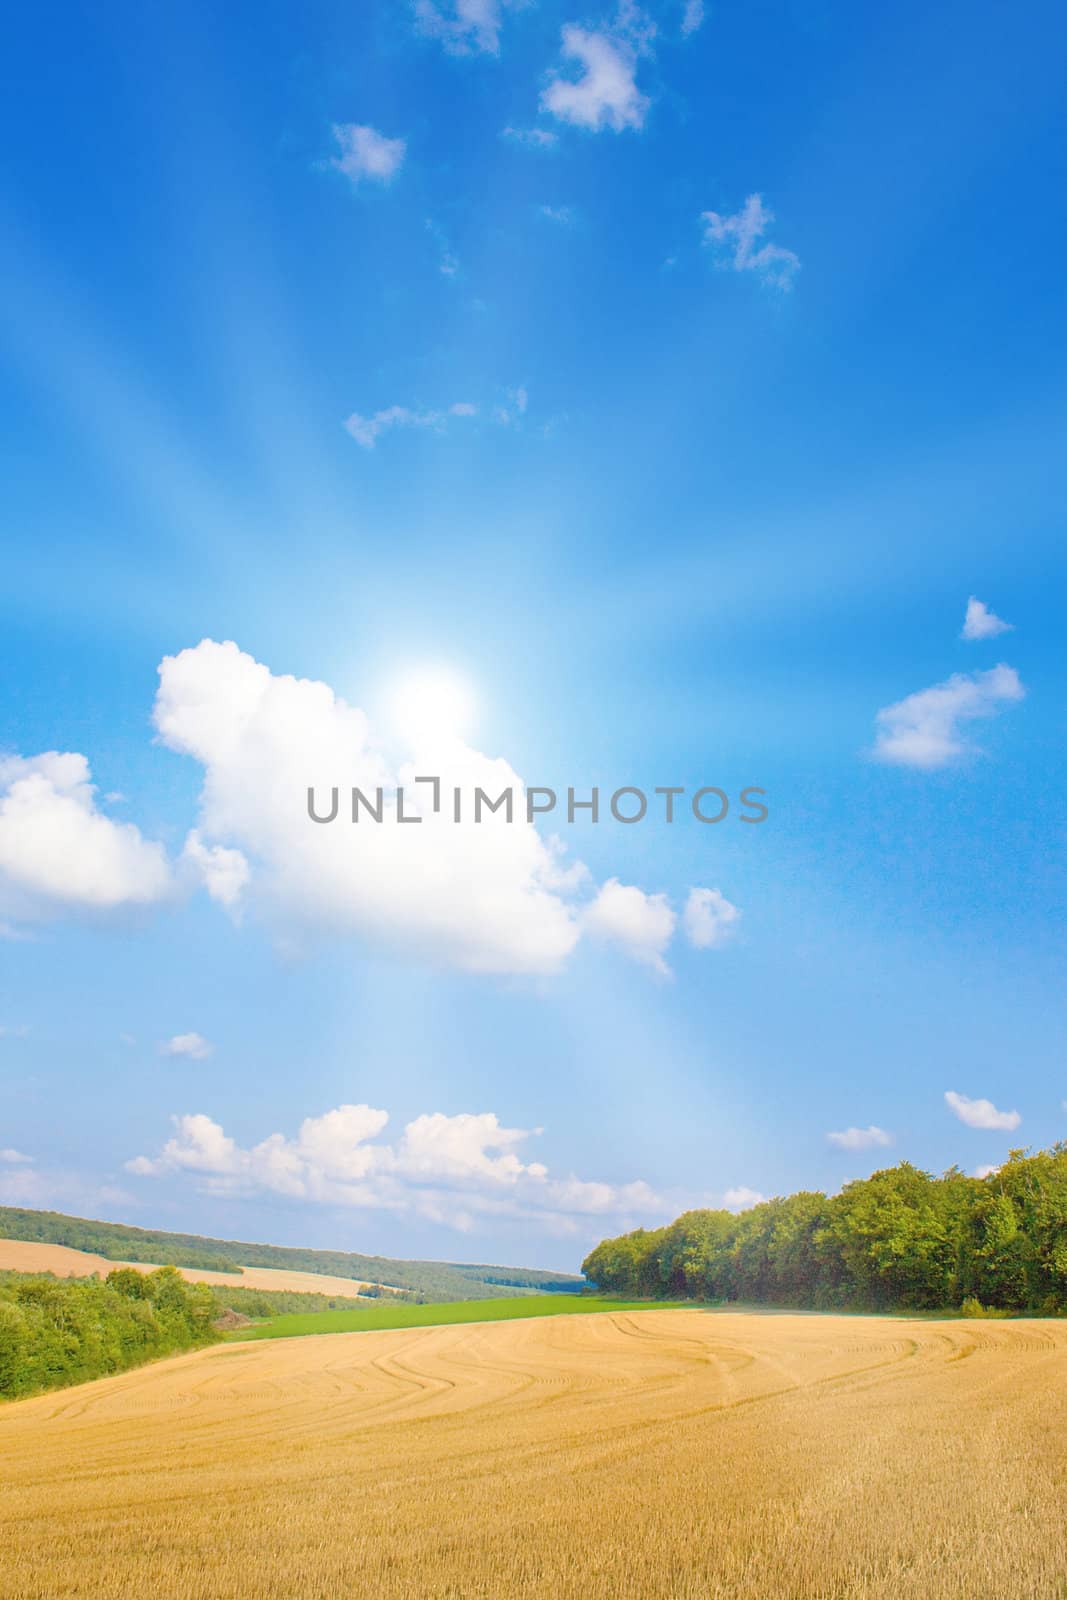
(534, 138)
(860, 1138)
(562, 215)
(736, 239)
(366, 153)
(981, 623)
(981, 1113)
(448, 261)
(464, 27)
(192, 1045)
(367, 430)
(15, 1158)
(692, 17)
(514, 407)
(923, 730)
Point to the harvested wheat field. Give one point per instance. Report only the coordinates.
(663, 1453)
(18, 1255)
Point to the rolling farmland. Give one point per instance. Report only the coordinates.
(662, 1454)
(17, 1255)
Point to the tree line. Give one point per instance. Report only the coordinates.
(901, 1239)
(55, 1332)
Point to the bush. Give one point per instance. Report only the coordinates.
(54, 1333)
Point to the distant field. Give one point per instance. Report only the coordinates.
(402, 1315)
(17, 1255)
(119, 1244)
(649, 1455)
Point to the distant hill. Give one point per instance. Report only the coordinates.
(432, 1280)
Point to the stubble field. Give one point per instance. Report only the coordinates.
(659, 1455)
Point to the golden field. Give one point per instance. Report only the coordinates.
(17, 1255)
(658, 1455)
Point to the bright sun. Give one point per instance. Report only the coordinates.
(431, 703)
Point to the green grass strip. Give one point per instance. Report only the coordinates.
(403, 1315)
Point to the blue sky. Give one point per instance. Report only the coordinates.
(633, 396)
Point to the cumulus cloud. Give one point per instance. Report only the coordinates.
(981, 1113)
(366, 153)
(742, 1198)
(192, 1045)
(923, 730)
(987, 1169)
(981, 623)
(59, 853)
(223, 873)
(367, 430)
(642, 924)
(605, 92)
(860, 1138)
(710, 919)
(736, 240)
(491, 896)
(447, 1169)
(464, 27)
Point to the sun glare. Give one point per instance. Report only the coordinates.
(431, 703)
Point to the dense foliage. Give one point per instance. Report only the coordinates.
(432, 1280)
(114, 1240)
(899, 1239)
(55, 1332)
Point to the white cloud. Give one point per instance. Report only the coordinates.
(643, 924)
(737, 236)
(14, 1033)
(448, 1169)
(223, 873)
(535, 138)
(987, 1170)
(366, 430)
(465, 27)
(366, 153)
(981, 623)
(15, 1158)
(692, 17)
(923, 730)
(860, 1138)
(59, 853)
(605, 95)
(710, 919)
(193, 1045)
(491, 896)
(563, 215)
(742, 1198)
(981, 1113)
